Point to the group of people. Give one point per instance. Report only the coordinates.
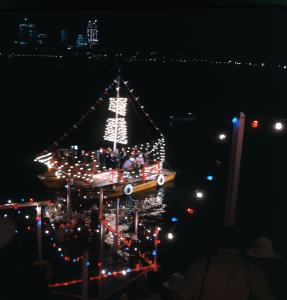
(230, 274)
(122, 159)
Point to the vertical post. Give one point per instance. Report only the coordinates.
(102, 235)
(116, 241)
(155, 247)
(117, 107)
(136, 223)
(39, 232)
(68, 200)
(234, 171)
(85, 275)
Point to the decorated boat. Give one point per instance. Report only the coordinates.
(120, 169)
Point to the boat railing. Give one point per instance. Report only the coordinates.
(150, 170)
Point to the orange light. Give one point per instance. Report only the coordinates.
(254, 124)
(190, 211)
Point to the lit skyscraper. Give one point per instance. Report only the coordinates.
(42, 39)
(27, 33)
(92, 33)
(64, 37)
(81, 41)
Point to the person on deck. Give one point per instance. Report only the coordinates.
(225, 276)
(262, 253)
(129, 164)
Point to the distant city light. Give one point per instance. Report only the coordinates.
(170, 236)
(209, 177)
(174, 219)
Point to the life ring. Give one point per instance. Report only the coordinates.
(160, 180)
(128, 189)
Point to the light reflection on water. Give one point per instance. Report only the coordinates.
(151, 207)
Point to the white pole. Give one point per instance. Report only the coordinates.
(117, 224)
(136, 223)
(102, 235)
(68, 200)
(234, 171)
(117, 107)
(39, 232)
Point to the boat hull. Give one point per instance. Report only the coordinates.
(53, 182)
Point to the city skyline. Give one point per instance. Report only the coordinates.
(202, 32)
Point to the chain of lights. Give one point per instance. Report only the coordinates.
(117, 131)
(123, 272)
(156, 149)
(187, 60)
(121, 103)
(140, 106)
(92, 108)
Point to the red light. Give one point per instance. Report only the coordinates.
(254, 124)
(190, 211)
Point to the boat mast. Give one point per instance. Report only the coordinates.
(117, 105)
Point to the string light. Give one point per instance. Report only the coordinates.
(199, 195)
(190, 211)
(222, 136)
(254, 124)
(278, 126)
(121, 103)
(110, 131)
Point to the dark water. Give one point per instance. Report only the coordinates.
(43, 100)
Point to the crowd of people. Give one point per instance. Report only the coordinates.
(105, 158)
(123, 159)
(255, 274)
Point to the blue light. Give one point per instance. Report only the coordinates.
(174, 219)
(234, 120)
(128, 270)
(19, 212)
(39, 222)
(51, 238)
(22, 200)
(88, 264)
(62, 254)
(74, 260)
(209, 177)
(109, 273)
(154, 253)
